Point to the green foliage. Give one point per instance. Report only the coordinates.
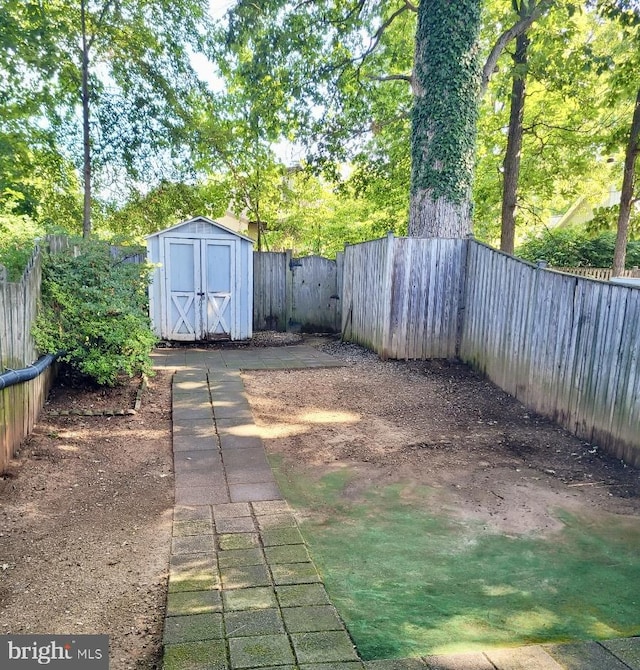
(606, 219)
(164, 206)
(17, 243)
(571, 247)
(94, 310)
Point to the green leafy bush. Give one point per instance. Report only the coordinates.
(17, 242)
(570, 247)
(94, 308)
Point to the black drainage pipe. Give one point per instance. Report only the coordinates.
(12, 377)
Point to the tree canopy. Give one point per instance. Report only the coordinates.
(190, 114)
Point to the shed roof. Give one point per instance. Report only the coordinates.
(204, 219)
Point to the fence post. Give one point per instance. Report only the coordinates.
(288, 289)
(387, 287)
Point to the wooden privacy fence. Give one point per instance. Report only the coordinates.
(20, 405)
(566, 346)
(296, 294)
(402, 297)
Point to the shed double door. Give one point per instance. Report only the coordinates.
(200, 300)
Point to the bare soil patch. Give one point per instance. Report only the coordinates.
(85, 522)
(439, 424)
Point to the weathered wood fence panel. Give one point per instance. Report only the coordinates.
(269, 291)
(365, 293)
(564, 345)
(403, 296)
(296, 293)
(20, 405)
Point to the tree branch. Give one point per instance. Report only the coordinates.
(517, 29)
(393, 77)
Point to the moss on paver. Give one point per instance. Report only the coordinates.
(287, 553)
(188, 528)
(277, 536)
(323, 647)
(302, 594)
(311, 618)
(192, 572)
(195, 656)
(238, 541)
(253, 622)
(260, 651)
(295, 573)
(193, 628)
(245, 576)
(193, 602)
(249, 599)
(238, 557)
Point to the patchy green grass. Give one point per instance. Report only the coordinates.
(409, 583)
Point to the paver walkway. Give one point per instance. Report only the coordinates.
(243, 591)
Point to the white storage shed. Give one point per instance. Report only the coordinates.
(202, 287)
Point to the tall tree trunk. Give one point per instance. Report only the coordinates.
(514, 144)
(446, 85)
(86, 136)
(626, 196)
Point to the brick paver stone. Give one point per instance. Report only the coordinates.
(302, 594)
(400, 664)
(295, 573)
(238, 541)
(579, 655)
(522, 658)
(287, 553)
(260, 651)
(323, 647)
(244, 577)
(277, 536)
(193, 602)
(239, 557)
(311, 618)
(249, 599)
(192, 572)
(193, 628)
(253, 622)
(473, 661)
(627, 649)
(195, 656)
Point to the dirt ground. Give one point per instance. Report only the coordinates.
(438, 424)
(85, 522)
(85, 508)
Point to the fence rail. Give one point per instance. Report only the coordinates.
(597, 273)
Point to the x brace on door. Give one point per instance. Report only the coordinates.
(183, 310)
(218, 308)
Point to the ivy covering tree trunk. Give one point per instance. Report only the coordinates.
(446, 84)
